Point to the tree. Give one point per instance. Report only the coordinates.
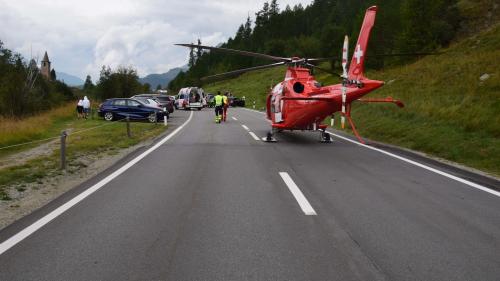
(274, 8)
(199, 51)
(158, 87)
(146, 87)
(88, 85)
(122, 83)
(53, 75)
(21, 93)
(192, 59)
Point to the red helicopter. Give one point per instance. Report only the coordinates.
(300, 102)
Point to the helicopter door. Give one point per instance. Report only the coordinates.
(277, 103)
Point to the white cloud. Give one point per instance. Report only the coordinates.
(81, 36)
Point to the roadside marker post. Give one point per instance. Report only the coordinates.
(63, 150)
(253, 104)
(165, 122)
(128, 127)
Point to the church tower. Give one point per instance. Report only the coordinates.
(45, 68)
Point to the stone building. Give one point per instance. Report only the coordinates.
(45, 67)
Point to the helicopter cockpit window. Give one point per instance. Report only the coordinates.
(298, 87)
(317, 84)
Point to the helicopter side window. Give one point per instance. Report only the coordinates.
(298, 87)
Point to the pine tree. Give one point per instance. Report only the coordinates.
(274, 8)
(199, 51)
(192, 59)
(53, 75)
(247, 29)
(88, 85)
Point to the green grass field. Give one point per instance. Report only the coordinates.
(449, 112)
(94, 137)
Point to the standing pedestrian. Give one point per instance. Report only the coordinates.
(225, 106)
(86, 107)
(219, 103)
(79, 108)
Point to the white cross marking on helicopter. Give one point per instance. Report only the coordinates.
(358, 54)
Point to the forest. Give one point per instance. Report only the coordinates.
(23, 91)
(317, 30)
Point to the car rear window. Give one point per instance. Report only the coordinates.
(164, 99)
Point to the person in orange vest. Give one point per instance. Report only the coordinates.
(226, 105)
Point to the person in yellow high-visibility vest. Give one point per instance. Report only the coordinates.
(219, 103)
(225, 106)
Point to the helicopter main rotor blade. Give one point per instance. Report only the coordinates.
(240, 71)
(237, 52)
(322, 59)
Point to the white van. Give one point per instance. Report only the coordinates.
(191, 97)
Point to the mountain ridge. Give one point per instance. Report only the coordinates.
(162, 79)
(69, 79)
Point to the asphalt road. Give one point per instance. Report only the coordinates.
(210, 204)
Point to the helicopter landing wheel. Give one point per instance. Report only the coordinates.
(325, 137)
(269, 137)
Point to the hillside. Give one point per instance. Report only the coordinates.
(449, 113)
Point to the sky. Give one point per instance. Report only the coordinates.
(82, 36)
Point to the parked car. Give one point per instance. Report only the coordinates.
(120, 108)
(174, 101)
(210, 100)
(235, 101)
(163, 100)
(149, 101)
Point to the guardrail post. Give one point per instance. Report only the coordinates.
(253, 104)
(63, 150)
(128, 127)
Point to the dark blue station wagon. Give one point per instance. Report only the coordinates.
(120, 108)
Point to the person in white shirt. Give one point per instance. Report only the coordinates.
(79, 108)
(86, 107)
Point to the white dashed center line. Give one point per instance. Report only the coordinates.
(245, 127)
(254, 136)
(234, 118)
(299, 196)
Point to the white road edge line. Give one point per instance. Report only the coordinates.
(469, 183)
(254, 136)
(450, 176)
(299, 196)
(245, 127)
(234, 118)
(23, 234)
(253, 110)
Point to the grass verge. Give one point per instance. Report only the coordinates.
(106, 139)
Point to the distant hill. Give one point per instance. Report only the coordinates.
(69, 79)
(162, 79)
